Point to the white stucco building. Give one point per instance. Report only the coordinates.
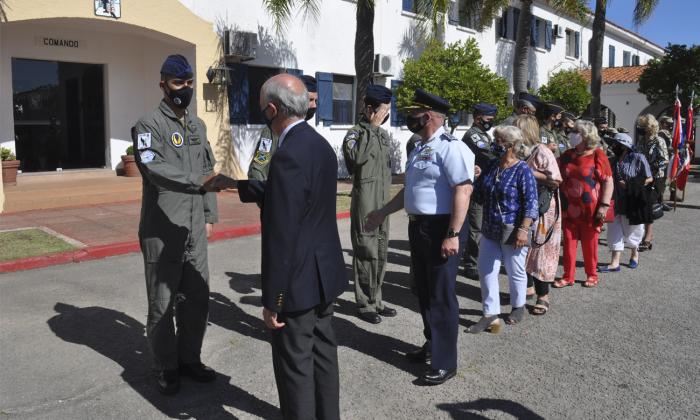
(74, 78)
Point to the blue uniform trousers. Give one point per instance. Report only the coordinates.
(435, 279)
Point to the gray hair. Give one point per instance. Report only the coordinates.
(589, 133)
(513, 136)
(289, 103)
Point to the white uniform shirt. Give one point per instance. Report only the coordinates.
(432, 171)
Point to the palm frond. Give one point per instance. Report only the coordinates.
(574, 8)
(311, 9)
(3, 15)
(280, 11)
(643, 10)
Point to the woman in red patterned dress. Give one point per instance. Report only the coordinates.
(585, 194)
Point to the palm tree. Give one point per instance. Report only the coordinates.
(433, 12)
(642, 11)
(3, 15)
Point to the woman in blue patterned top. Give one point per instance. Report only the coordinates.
(632, 173)
(508, 192)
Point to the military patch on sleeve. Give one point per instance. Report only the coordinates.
(143, 141)
(545, 139)
(265, 145)
(476, 138)
(147, 156)
(263, 158)
(351, 144)
(481, 144)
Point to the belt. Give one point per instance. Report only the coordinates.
(427, 217)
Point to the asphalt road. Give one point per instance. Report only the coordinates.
(72, 343)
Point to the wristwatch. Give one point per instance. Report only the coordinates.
(452, 234)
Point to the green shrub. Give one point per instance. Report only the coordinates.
(569, 89)
(130, 150)
(6, 154)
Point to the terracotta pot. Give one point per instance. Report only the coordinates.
(130, 168)
(9, 172)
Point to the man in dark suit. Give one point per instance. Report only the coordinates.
(302, 260)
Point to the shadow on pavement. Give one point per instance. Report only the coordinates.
(120, 338)
(472, 410)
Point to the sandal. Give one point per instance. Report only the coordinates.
(541, 307)
(490, 323)
(562, 283)
(516, 315)
(645, 246)
(590, 283)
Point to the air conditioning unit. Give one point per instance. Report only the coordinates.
(384, 64)
(240, 46)
(558, 31)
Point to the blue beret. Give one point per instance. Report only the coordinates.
(176, 66)
(553, 109)
(482, 108)
(309, 82)
(532, 99)
(377, 94)
(423, 99)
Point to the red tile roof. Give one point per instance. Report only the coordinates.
(617, 74)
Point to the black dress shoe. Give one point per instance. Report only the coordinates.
(197, 371)
(168, 382)
(438, 376)
(387, 312)
(471, 273)
(371, 317)
(421, 355)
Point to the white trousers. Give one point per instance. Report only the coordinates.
(621, 234)
(491, 255)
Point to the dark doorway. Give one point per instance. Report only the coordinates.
(59, 114)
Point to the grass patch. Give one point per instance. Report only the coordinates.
(26, 243)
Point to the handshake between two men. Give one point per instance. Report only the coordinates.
(218, 182)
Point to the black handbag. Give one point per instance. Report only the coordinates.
(544, 198)
(657, 211)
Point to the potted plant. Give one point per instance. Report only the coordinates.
(10, 164)
(129, 161)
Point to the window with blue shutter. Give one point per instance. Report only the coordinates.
(548, 35)
(534, 31)
(503, 28)
(577, 44)
(453, 16)
(294, 72)
(635, 60)
(626, 58)
(611, 56)
(513, 33)
(408, 6)
(398, 118)
(238, 94)
(324, 85)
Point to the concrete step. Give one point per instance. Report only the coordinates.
(30, 178)
(70, 193)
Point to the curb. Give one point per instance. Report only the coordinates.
(118, 248)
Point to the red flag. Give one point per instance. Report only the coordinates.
(677, 137)
(685, 168)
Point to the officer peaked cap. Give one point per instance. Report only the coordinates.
(426, 100)
(176, 66)
(309, 82)
(553, 109)
(531, 99)
(482, 108)
(600, 120)
(377, 94)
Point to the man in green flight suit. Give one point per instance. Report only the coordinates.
(551, 113)
(367, 152)
(177, 214)
(267, 145)
(479, 142)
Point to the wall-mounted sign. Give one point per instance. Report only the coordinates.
(108, 8)
(50, 41)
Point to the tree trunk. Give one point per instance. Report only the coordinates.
(364, 52)
(521, 55)
(597, 56)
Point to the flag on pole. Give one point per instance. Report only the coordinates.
(685, 153)
(677, 140)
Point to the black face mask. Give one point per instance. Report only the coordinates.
(416, 124)
(486, 125)
(385, 119)
(268, 121)
(499, 150)
(181, 98)
(557, 123)
(310, 113)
